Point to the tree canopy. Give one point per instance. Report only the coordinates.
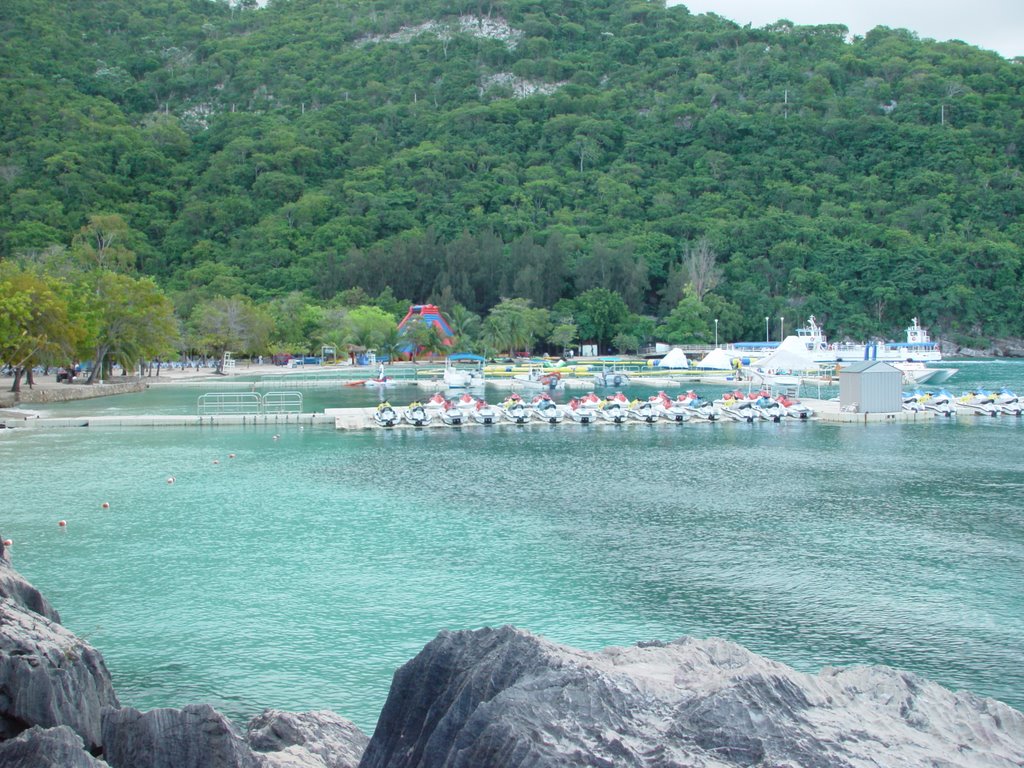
(539, 150)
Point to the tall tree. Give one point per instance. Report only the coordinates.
(599, 313)
(131, 321)
(34, 320)
(233, 324)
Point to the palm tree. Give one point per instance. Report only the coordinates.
(391, 344)
(465, 326)
(424, 337)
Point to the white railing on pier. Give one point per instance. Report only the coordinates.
(282, 402)
(248, 403)
(217, 403)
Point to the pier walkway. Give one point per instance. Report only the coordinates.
(348, 419)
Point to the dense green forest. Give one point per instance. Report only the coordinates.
(313, 156)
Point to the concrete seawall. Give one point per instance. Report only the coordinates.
(66, 392)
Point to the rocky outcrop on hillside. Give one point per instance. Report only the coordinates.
(505, 697)
(14, 587)
(37, 747)
(49, 677)
(313, 739)
(997, 348)
(192, 737)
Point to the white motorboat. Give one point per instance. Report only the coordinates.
(545, 409)
(615, 408)
(464, 371)
(466, 401)
(485, 413)
(913, 401)
(537, 378)
(916, 373)
(768, 408)
(611, 377)
(794, 408)
(417, 415)
(737, 406)
(1008, 402)
(940, 402)
(645, 411)
(385, 415)
(981, 403)
(669, 409)
(698, 407)
(917, 346)
(582, 410)
(453, 414)
(515, 409)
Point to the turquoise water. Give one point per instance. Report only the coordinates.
(183, 399)
(300, 573)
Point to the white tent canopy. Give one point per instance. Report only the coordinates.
(790, 355)
(674, 359)
(716, 360)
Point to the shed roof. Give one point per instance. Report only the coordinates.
(872, 366)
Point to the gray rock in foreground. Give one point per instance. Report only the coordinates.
(309, 739)
(14, 587)
(196, 736)
(503, 697)
(49, 677)
(37, 747)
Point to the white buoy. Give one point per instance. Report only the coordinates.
(170, 479)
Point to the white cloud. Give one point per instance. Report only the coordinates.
(996, 25)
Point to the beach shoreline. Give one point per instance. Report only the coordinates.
(46, 389)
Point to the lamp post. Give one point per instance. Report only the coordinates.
(766, 339)
(782, 328)
(716, 333)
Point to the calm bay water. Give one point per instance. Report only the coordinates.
(301, 573)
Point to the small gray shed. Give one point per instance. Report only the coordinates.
(871, 387)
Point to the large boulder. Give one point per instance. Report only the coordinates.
(503, 697)
(14, 587)
(37, 747)
(196, 736)
(307, 739)
(49, 677)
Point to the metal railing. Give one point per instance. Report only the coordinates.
(248, 403)
(282, 402)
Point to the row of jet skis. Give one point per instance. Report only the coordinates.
(981, 402)
(590, 409)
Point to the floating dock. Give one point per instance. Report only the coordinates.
(10, 421)
(348, 419)
(827, 411)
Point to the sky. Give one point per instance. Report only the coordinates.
(996, 25)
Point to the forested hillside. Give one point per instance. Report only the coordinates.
(536, 149)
